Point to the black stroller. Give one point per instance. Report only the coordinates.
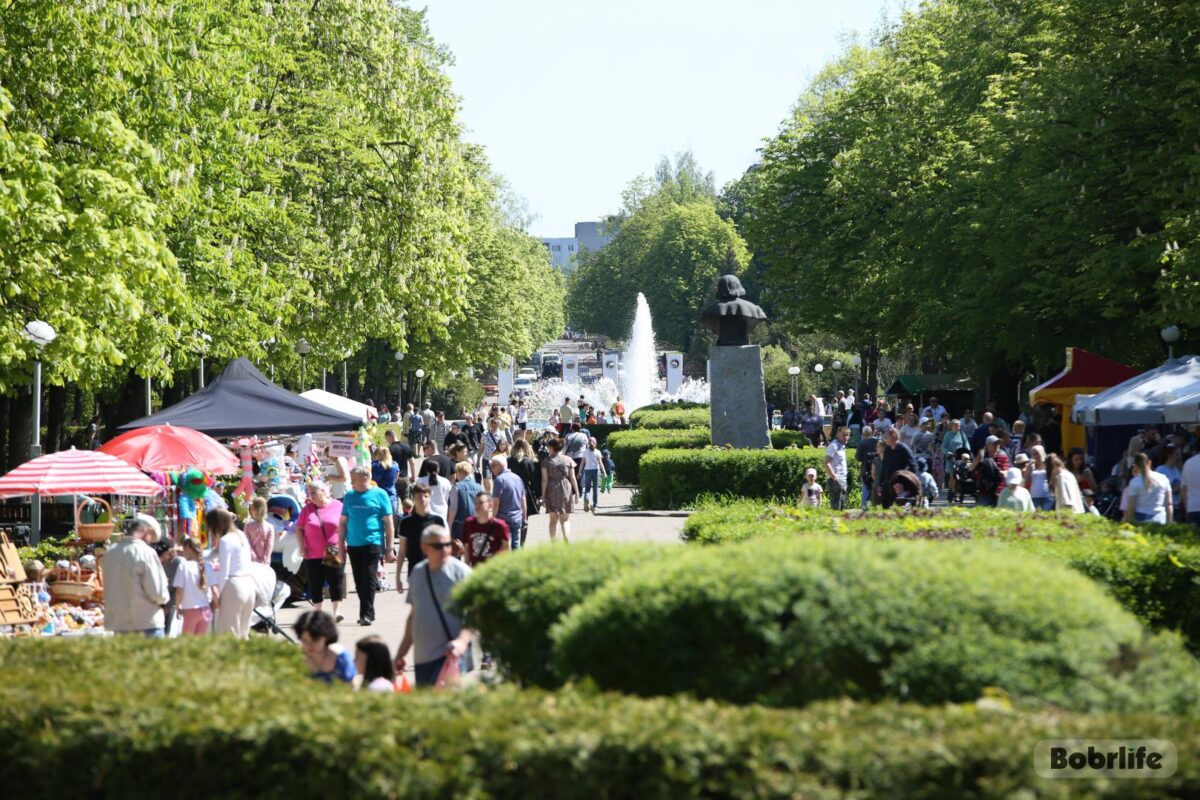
(964, 477)
(909, 493)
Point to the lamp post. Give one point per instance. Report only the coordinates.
(794, 374)
(399, 356)
(204, 339)
(819, 368)
(837, 374)
(1170, 335)
(420, 386)
(39, 334)
(346, 375)
(303, 348)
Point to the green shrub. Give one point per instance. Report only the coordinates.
(824, 617)
(674, 418)
(782, 439)
(681, 405)
(514, 601)
(169, 733)
(677, 478)
(627, 447)
(1154, 576)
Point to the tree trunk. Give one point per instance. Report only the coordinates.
(1002, 401)
(127, 404)
(5, 411)
(20, 427)
(56, 419)
(872, 387)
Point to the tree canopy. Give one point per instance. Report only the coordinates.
(991, 182)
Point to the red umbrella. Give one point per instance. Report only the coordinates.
(76, 472)
(167, 448)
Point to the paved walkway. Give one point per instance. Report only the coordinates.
(391, 608)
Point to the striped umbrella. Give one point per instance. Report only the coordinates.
(76, 472)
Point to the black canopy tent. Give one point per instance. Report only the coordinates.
(242, 401)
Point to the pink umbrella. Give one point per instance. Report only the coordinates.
(76, 472)
(168, 448)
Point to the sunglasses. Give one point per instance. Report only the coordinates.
(441, 545)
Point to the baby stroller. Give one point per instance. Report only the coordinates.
(908, 493)
(964, 477)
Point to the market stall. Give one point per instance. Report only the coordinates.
(1085, 373)
(67, 597)
(345, 405)
(1142, 399)
(242, 401)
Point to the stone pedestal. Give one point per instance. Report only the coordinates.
(738, 397)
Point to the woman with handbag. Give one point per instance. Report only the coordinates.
(317, 537)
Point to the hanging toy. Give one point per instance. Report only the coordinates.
(192, 487)
(245, 489)
(362, 452)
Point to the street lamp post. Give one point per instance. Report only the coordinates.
(399, 356)
(794, 374)
(303, 348)
(39, 334)
(346, 375)
(1170, 335)
(420, 386)
(837, 376)
(819, 368)
(205, 339)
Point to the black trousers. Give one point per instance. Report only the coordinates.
(364, 563)
(318, 575)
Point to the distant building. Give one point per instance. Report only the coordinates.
(563, 249)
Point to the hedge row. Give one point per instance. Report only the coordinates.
(628, 447)
(1155, 576)
(825, 617)
(672, 418)
(518, 598)
(680, 478)
(75, 725)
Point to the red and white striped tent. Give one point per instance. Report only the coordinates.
(76, 472)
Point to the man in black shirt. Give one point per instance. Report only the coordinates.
(445, 465)
(865, 454)
(402, 454)
(455, 436)
(411, 528)
(896, 457)
(474, 432)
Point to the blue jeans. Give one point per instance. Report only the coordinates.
(866, 494)
(1160, 518)
(1044, 503)
(591, 480)
(514, 531)
(149, 633)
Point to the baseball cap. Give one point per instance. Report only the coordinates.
(151, 523)
(992, 440)
(922, 464)
(1013, 477)
(810, 471)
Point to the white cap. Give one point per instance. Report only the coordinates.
(151, 523)
(1013, 477)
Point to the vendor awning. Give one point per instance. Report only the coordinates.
(343, 404)
(930, 384)
(1145, 398)
(1084, 373)
(242, 401)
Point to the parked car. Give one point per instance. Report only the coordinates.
(522, 387)
(527, 372)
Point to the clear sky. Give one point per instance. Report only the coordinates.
(574, 99)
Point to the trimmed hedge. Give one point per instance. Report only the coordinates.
(1154, 576)
(169, 734)
(782, 439)
(681, 405)
(628, 447)
(674, 418)
(827, 617)
(679, 478)
(514, 601)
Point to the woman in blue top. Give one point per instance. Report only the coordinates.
(328, 660)
(384, 472)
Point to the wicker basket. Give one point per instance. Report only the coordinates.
(73, 584)
(93, 531)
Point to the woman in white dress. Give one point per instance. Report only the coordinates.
(1067, 496)
(1148, 494)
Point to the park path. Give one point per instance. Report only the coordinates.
(391, 607)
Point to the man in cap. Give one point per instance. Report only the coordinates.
(1015, 497)
(135, 584)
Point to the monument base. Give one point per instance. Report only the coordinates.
(738, 397)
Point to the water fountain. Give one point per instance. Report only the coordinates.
(641, 368)
(640, 385)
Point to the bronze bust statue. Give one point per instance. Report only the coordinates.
(731, 318)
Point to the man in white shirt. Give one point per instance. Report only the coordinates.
(933, 411)
(835, 468)
(1189, 484)
(135, 584)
